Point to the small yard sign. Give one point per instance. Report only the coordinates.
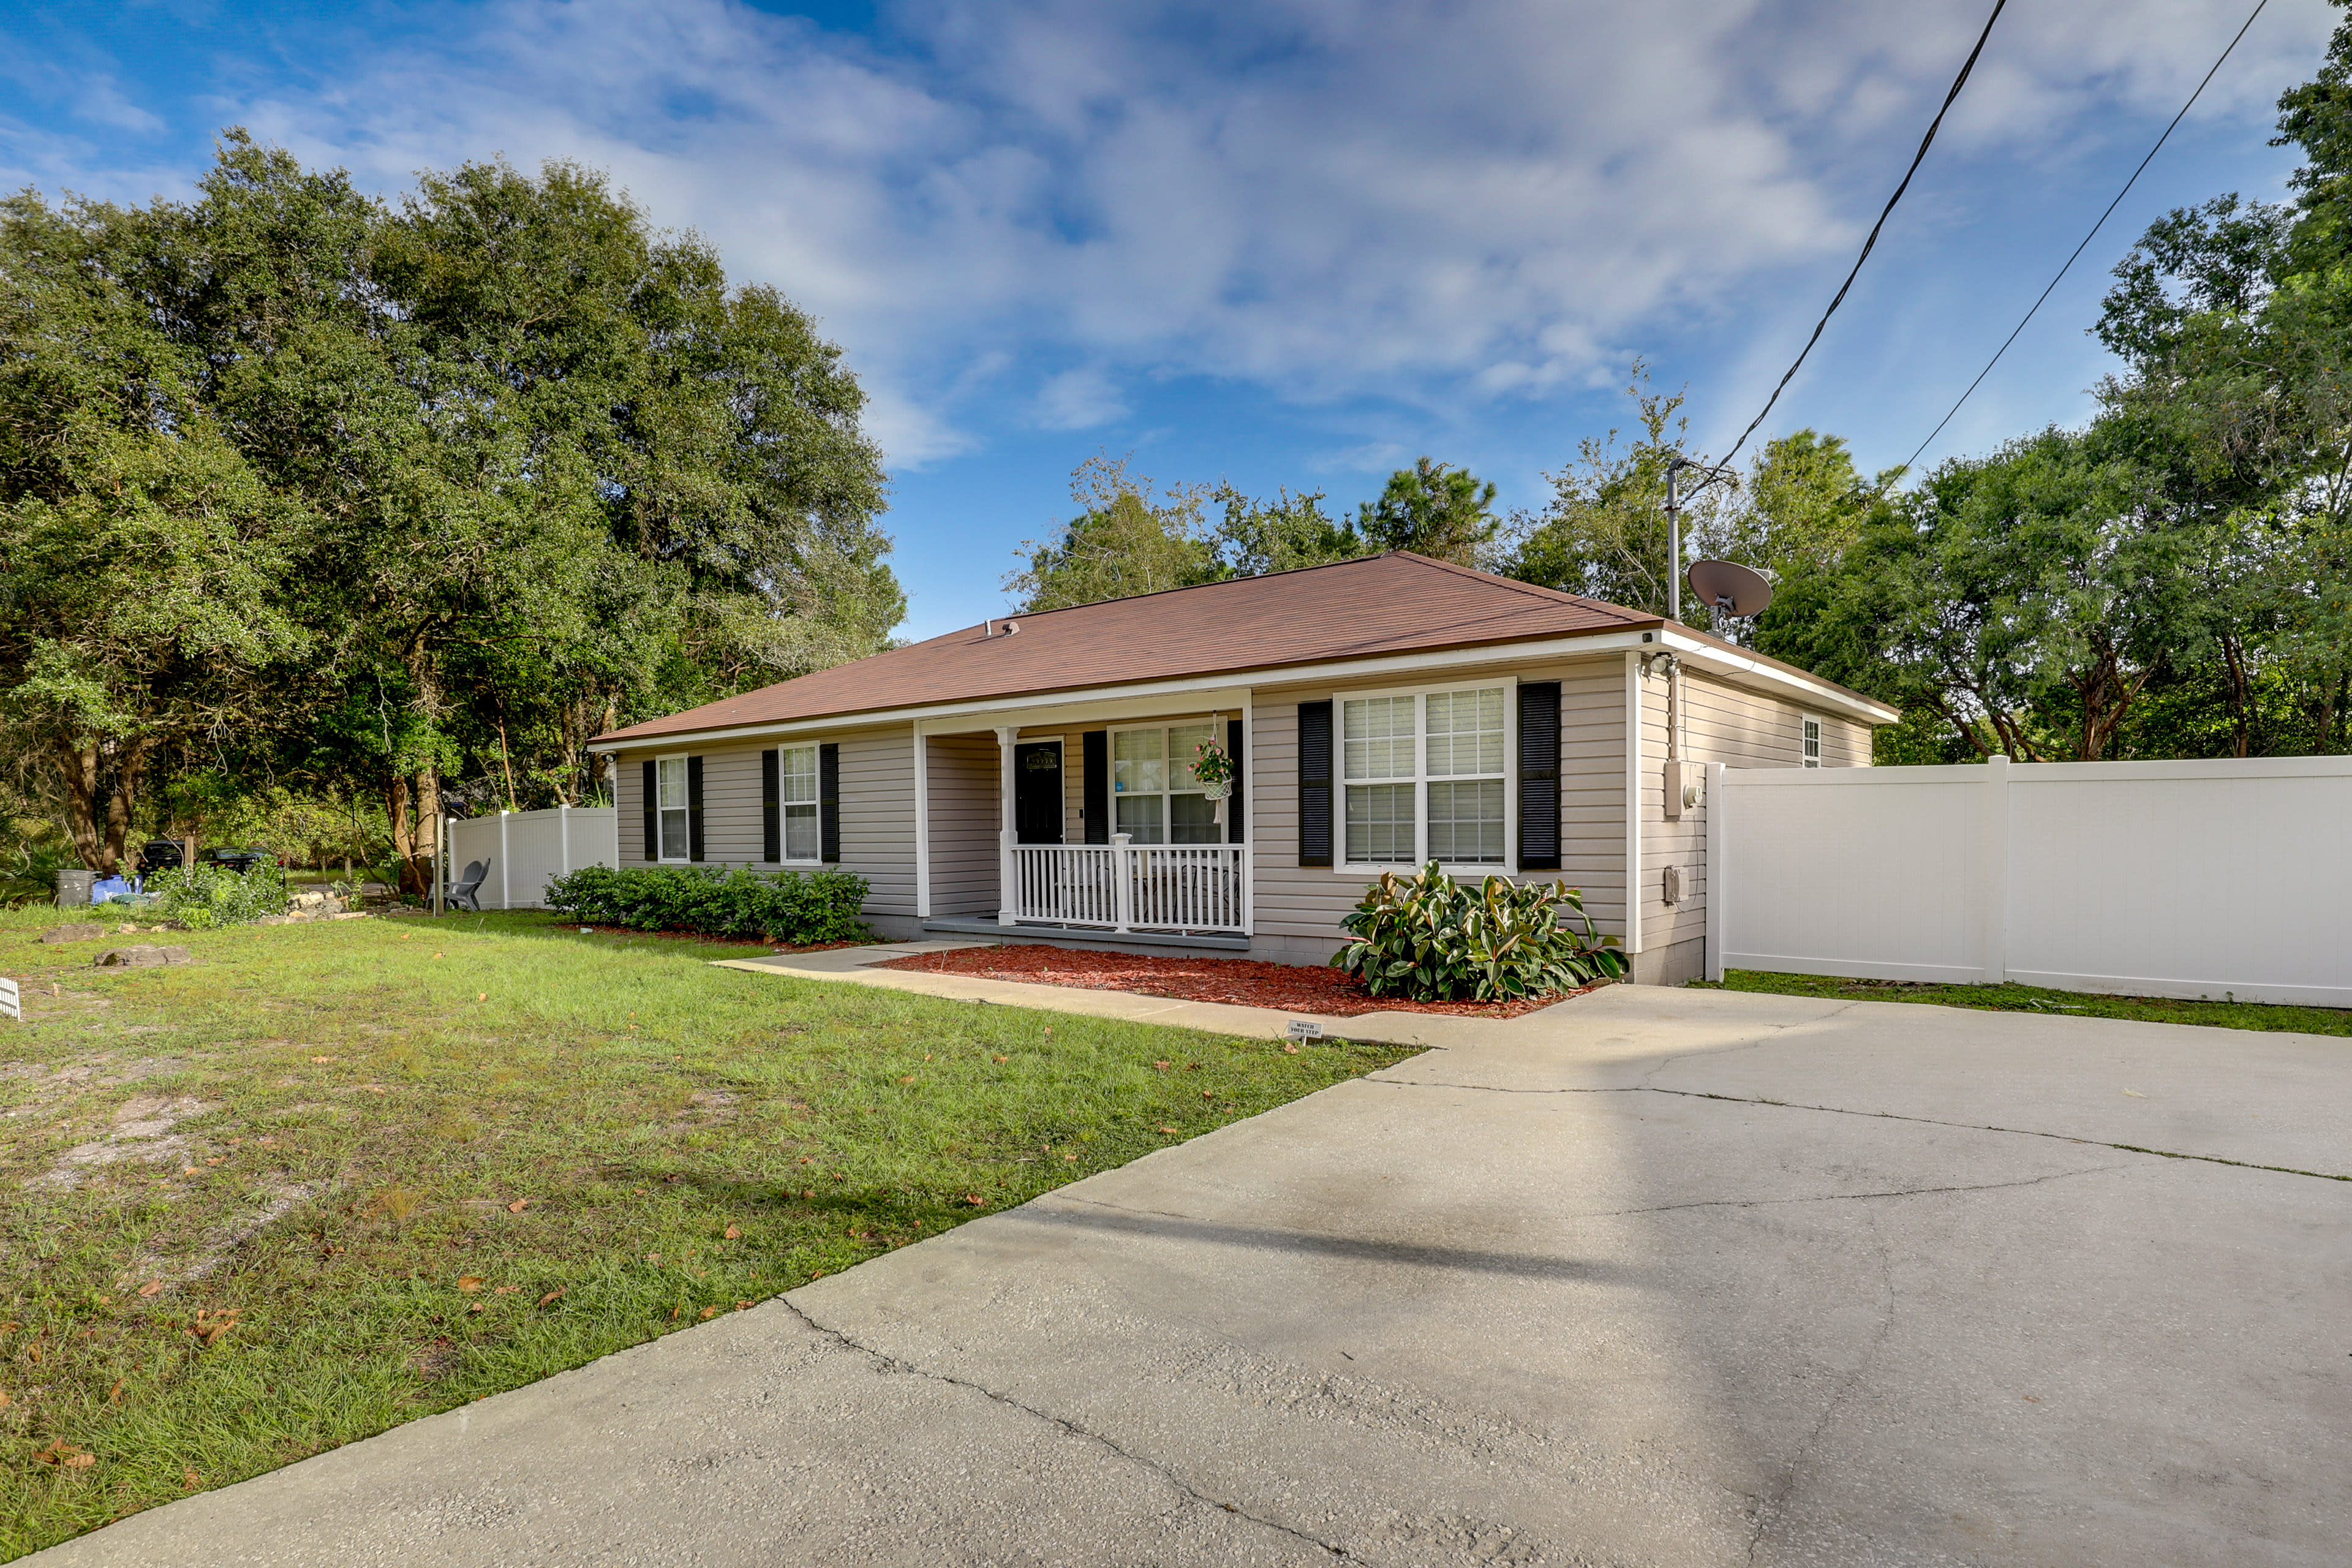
(11, 1000)
(1306, 1029)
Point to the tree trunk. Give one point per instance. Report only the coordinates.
(81, 806)
(404, 836)
(428, 830)
(120, 800)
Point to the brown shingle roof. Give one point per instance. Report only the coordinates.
(1397, 603)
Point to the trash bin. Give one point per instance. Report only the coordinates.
(73, 888)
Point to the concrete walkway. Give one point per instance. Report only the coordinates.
(1654, 1276)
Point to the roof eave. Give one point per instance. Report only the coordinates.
(1708, 651)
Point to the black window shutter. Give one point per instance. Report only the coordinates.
(1096, 750)
(771, 807)
(653, 813)
(828, 803)
(1315, 784)
(694, 808)
(1539, 775)
(1233, 801)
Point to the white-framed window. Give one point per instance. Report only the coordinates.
(1154, 797)
(1808, 753)
(796, 798)
(670, 807)
(1425, 776)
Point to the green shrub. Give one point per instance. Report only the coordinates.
(796, 908)
(201, 896)
(29, 867)
(1429, 938)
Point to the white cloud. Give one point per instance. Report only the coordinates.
(1078, 400)
(1435, 202)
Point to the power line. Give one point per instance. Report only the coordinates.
(1925, 141)
(2135, 174)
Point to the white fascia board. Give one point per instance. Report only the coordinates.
(1721, 660)
(1227, 691)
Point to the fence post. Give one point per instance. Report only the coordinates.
(562, 844)
(506, 862)
(1122, 885)
(441, 866)
(1992, 849)
(1718, 850)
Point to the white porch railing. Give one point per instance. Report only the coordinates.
(1133, 887)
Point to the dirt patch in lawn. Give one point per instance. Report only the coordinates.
(1249, 981)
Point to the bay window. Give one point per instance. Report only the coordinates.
(1425, 777)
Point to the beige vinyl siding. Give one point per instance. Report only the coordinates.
(877, 815)
(878, 810)
(962, 784)
(1720, 723)
(1727, 724)
(1303, 904)
(1679, 842)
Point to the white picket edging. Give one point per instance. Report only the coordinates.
(2227, 878)
(526, 849)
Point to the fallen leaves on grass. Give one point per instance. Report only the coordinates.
(518, 1205)
(66, 1457)
(974, 1199)
(211, 1325)
(554, 1294)
(709, 1314)
(321, 1061)
(469, 1282)
(733, 1234)
(152, 1288)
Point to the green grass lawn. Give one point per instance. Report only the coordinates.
(332, 1177)
(2033, 999)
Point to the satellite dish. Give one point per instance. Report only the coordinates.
(1730, 589)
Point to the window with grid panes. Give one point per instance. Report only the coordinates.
(670, 775)
(796, 793)
(1155, 799)
(1425, 777)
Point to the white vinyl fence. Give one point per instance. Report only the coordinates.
(525, 848)
(2194, 879)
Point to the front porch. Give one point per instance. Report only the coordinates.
(1078, 825)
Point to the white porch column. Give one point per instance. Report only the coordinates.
(1007, 911)
(922, 826)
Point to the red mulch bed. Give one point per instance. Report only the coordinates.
(1289, 987)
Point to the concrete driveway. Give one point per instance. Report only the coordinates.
(1655, 1277)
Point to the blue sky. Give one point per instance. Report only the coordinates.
(1294, 243)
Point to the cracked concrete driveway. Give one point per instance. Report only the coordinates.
(1655, 1277)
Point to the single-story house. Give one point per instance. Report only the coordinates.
(1030, 778)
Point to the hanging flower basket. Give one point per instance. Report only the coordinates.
(1213, 767)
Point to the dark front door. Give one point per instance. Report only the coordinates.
(1038, 792)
